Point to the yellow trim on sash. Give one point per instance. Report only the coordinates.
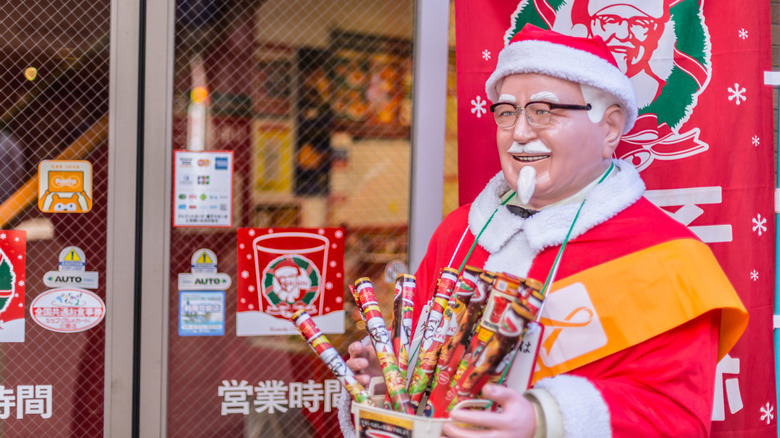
(629, 300)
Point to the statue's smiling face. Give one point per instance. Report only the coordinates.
(567, 154)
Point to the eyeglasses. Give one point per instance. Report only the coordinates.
(538, 114)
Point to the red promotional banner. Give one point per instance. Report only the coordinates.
(703, 144)
(13, 255)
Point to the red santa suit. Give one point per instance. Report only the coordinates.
(636, 320)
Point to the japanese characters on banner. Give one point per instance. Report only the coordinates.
(12, 261)
(283, 270)
(703, 143)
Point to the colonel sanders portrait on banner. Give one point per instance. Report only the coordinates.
(645, 41)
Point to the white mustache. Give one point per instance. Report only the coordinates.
(534, 147)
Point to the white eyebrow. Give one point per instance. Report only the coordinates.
(545, 95)
(507, 98)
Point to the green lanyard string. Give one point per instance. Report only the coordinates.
(462, 265)
(554, 269)
(556, 263)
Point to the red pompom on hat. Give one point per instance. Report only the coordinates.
(582, 60)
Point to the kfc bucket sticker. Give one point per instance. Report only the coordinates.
(283, 270)
(13, 247)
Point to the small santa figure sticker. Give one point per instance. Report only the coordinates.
(291, 279)
(283, 270)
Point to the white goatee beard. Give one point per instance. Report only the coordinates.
(526, 183)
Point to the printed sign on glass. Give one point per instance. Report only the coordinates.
(65, 186)
(283, 270)
(12, 263)
(203, 189)
(72, 271)
(67, 310)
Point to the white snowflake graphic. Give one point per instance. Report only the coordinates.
(251, 232)
(743, 33)
(3, 236)
(479, 106)
(754, 275)
(767, 413)
(328, 285)
(486, 55)
(759, 224)
(20, 283)
(756, 141)
(737, 94)
(339, 234)
(244, 274)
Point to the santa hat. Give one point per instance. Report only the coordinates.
(582, 60)
(287, 262)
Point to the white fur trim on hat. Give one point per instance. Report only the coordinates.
(563, 62)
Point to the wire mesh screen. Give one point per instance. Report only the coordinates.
(54, 69)
(313, 99)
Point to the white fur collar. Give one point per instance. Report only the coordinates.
(549, 226)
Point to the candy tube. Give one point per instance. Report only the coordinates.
(441, 397)
(320, 344)
(380, 338)
(503, 292)
(408, 290)
(531, 300)
(461, 296)
(429, 348)
(497, 354)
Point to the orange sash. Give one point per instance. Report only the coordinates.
(621, 303)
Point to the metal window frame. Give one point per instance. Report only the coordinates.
(140, 119)
(155, 255)
(429, 100)
(121, 223)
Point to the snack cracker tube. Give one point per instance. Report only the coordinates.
(473, 314)
(320, 344)
(533, 297)
(438, 401)
(513, 324)
(429, 348)
(427, 364)
(503, 293)
(357, 302)
(408, 290)
(461, 295)
(531, 301)
(380, 338)
(399, 333)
